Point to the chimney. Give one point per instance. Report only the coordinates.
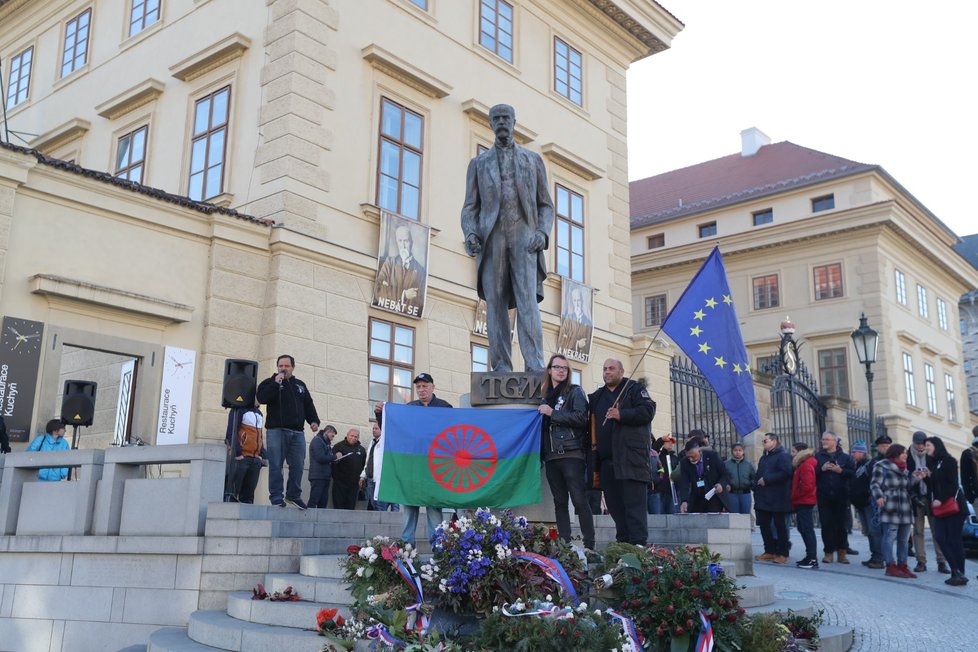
(752, 140)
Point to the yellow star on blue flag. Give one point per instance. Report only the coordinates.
(729, 375)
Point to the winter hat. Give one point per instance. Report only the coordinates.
(919, 437)
(860, 447)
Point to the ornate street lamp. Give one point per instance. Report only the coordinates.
(865, 339)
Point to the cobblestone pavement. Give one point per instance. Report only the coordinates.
(887, 614)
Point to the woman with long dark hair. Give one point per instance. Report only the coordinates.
(943, 486)
(565, 419)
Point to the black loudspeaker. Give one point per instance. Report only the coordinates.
(78, 402)
(240, 381)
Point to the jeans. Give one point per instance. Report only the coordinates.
(870, 522)
(244, 479)
(378, 505)
(776, 539)
(947, 534)
(627, 504)
(285, 446)
(900, 534)
(920, 515)
(435, 518)
(654, 502)
(832, 512)
(666, 504)
(806, 528)
(319, 493)
(566, 478)
(739, 503)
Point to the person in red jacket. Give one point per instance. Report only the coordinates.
(803, 500)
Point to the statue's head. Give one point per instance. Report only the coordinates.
(502, 119)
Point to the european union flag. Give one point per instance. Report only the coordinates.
(703, 323)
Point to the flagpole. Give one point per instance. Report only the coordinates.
(622, 393)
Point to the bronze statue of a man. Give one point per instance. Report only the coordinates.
(506, 219)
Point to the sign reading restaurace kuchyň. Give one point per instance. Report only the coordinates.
(20, 359)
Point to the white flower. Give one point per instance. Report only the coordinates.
(550, 598)
(372, 559)
(360, 571)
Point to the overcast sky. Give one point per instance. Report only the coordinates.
(886, 82)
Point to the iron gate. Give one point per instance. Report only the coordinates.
(696, 405)
(797, 414)
(857, 424)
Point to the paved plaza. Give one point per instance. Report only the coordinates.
(888, 614)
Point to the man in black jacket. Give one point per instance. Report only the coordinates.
(621, 422)
(701, 471)
(321, 458)
(350, 458)
(833, 469)
(289, 407)
(969, 470)
(866, 509)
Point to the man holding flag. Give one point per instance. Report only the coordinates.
(424, 387)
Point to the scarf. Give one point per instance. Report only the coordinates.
(900, 464)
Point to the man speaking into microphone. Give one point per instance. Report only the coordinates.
(290, 406)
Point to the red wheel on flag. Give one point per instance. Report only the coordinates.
(462, 458)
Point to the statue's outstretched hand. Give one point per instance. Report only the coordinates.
(473, 244)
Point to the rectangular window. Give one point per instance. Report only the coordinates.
(575, 375)
(952, 408)
(708, 230)
(833, 373)
(768, 364)
(655, 310)
(144, 13)
(901, 288)
(568, 72)
(656, 241)
(942, 313)
(766, 294)
(208, 145)
(824, 203)
(496, 28)
(765, 216)
(828, 281)
(570, 234)
(922, 302)
(931, 386)
(391, 362)
(76, 43)
(19, 79)
(130, 155)
(399, 164)
(480, 357)
(908, 379)
(421, 3)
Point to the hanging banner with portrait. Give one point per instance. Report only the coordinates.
(402, 266)
(20, 359)
(481, 326)
(576, 326)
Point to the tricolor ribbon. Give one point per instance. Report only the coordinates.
(705, 642)
(379, 632)
(553, 569)
(406, 570)
(628, 626)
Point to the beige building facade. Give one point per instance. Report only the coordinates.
(821, 240)
(290, 125)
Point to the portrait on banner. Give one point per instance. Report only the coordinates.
(576, 326)
(402, 266)
(481, 326)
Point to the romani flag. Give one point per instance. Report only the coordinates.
(463, 457)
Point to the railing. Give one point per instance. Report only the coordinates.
(696, 406)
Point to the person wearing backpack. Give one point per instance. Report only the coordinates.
(245, 439)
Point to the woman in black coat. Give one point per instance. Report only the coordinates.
(772, 499)
(943, 485)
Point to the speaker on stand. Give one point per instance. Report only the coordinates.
(78, 407)
(240, 383)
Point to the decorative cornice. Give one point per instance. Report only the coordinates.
(227, 49)
(59, 287)
(62, 134)
(130, 99)
(403, 71)
(609, 9)
(582, 168)
(480, 112)
(907, 337)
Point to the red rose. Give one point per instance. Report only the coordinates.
(689, 623)
(740, 611)
(713, 615)
(731, 618)
(695, 593)
(677, 583)
(655, 599)
(552, 534)
(670, 610)
(649, 584)
(708, 595)
(636, 579)
(339, 621)
(679, 631)
(353, 550)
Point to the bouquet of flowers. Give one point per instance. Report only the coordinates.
(371, 571)
(484, 561)
(543, 626)
(666, 591)
(344, 635)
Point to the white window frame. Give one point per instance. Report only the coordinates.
(901, 287)
(908, 382)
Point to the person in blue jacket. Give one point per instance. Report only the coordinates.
(53, 439)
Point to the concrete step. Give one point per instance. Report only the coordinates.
(800, 607)
(175, 639)
(754, 592)
(133, 648)
(835, 638)
(300, 614)
(314, 589)
(322, 566)
(221, 631)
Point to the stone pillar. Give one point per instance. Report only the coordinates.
(836, 418)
